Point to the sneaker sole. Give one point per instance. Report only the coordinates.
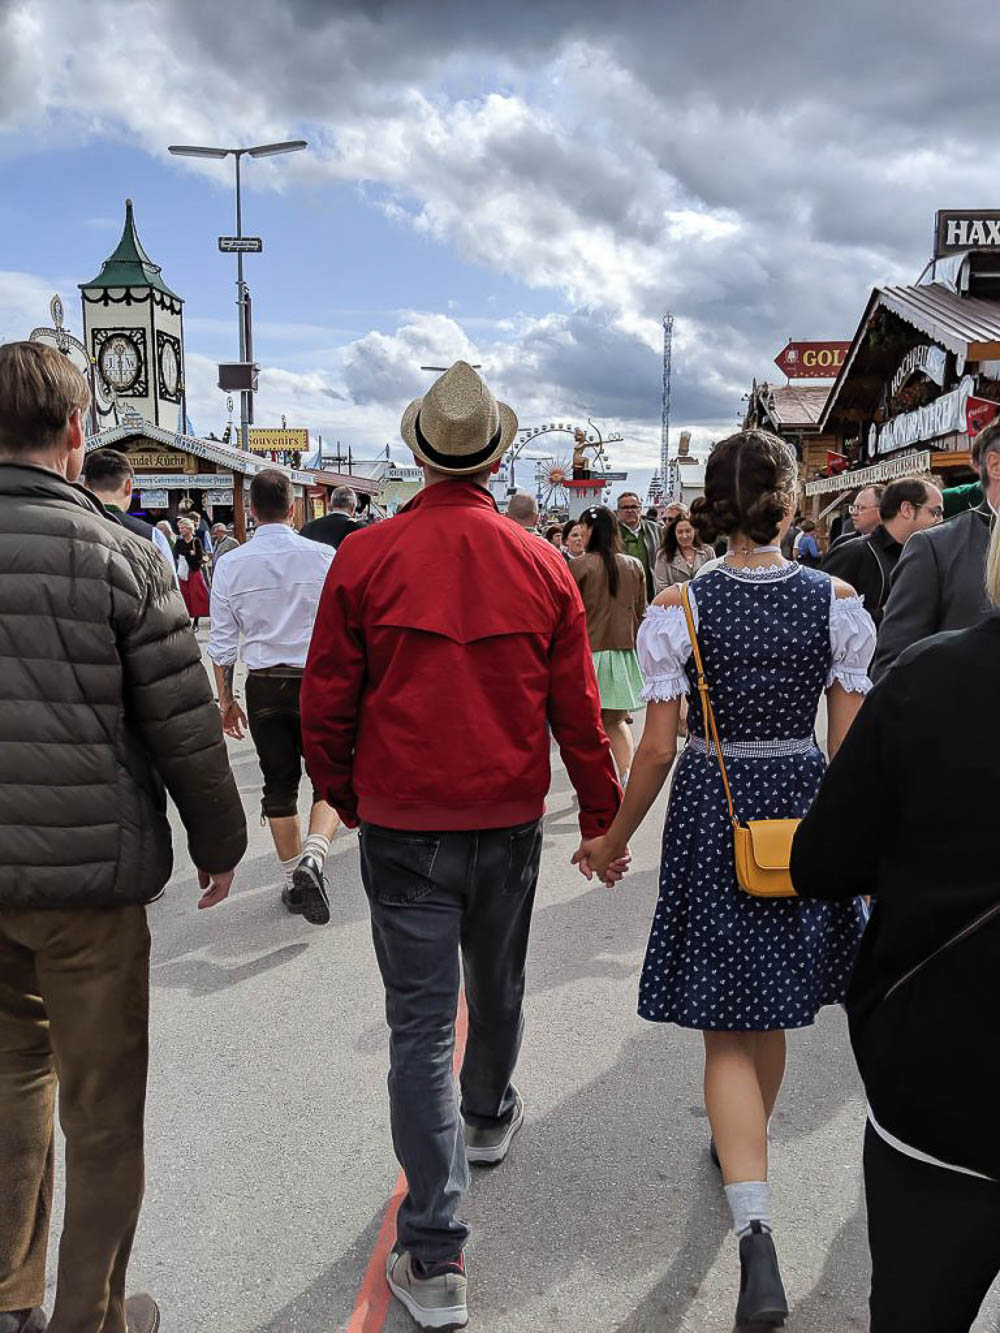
(289, 905)
(494, 1155)
(314, 905)
(449, 1317)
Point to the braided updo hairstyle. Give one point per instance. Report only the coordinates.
(750, 481)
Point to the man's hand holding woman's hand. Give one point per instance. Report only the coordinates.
(600, 857)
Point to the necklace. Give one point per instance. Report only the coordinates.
(747, 553)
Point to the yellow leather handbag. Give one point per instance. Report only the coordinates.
(762, 847)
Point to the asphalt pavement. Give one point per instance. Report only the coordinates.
(269, 1161)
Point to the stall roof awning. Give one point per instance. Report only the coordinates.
(792, 407)
(323, 476)
(963, 324)
(224, 455)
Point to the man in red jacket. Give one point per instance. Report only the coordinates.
(448, 642)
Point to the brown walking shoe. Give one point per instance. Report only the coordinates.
(142, 1314)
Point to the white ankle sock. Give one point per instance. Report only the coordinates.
(749, 1201)
(288, 868)
(317, 845)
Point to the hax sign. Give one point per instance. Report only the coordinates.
(966, 229)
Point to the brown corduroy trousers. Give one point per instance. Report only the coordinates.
(74, 1007)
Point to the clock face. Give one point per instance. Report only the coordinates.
(170, 368)
(119, 362)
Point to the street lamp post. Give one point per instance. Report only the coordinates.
(242, 294)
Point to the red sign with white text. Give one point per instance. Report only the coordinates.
(812, 361)
(979, 412)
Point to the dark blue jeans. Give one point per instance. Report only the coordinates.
(436, 899)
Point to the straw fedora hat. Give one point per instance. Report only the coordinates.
(458, 426)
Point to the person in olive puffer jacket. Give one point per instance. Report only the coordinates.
(104, 707)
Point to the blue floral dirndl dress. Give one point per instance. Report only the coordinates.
(772, 639)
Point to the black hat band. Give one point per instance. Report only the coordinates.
(451, 461)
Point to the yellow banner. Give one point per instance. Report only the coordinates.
(265, 438)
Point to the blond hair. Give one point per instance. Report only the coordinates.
(993, 566)
(40, 389)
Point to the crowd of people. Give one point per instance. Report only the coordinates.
(368, 666)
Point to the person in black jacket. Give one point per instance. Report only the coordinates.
(938, 583)
(913, 790)
(339, 523)
(867, 562)
(108, 474)
(104, 708)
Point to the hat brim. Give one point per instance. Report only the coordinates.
(408, 430)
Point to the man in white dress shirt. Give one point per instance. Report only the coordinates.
(266, 592)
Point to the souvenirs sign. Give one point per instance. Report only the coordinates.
(812, 360)
(266, 439)
(966, 229)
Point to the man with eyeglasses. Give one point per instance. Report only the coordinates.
(940, 582)
(640, 536)
(867, 563)
(862, 516)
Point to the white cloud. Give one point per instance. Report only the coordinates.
(629, 158)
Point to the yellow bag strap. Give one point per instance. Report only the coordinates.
(708, 712)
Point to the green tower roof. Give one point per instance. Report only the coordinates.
(130, 266)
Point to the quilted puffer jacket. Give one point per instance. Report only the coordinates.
(103, 702)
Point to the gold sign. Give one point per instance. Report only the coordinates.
(265, 438)
(167, 460)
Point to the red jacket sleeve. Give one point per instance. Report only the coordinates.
(332, 687)
(575, 718)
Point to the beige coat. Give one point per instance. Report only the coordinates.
(667, 572)
(612, 622)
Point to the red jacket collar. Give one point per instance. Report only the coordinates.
(451, 493)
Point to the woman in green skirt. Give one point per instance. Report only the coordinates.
(613, 588)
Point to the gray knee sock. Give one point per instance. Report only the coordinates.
(749, 1201)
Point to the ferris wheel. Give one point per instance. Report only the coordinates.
(551, 475)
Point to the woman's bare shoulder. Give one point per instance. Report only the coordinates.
(669, 596)
(842, 589)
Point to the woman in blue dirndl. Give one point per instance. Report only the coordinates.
(773, 636)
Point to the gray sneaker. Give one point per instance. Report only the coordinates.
(488, 1147)
(435, 1301)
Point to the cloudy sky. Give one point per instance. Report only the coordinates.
(527, 185)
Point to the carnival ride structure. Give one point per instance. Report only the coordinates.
(559, 483)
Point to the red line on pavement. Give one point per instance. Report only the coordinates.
(374, 1298)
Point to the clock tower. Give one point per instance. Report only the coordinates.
(133, 329)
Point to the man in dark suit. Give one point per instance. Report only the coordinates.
(868, 563)
(939, 581)
(339, 523)
(108, 474)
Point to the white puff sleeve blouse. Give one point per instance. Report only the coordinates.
(664, 648)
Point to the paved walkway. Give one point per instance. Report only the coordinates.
(269, 1159)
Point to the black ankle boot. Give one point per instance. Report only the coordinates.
(762, 1304)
